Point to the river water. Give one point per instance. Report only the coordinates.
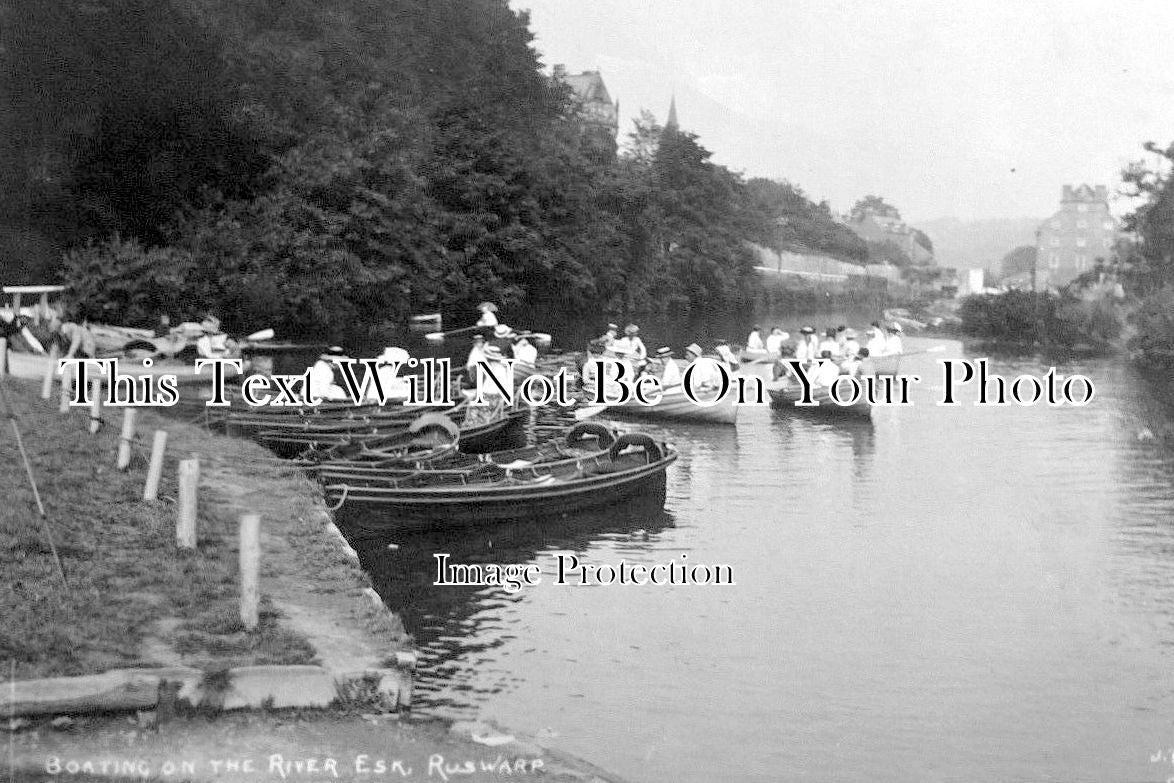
(941, 594)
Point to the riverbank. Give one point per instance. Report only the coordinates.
(131, 599)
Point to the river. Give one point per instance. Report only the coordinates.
(943, 594)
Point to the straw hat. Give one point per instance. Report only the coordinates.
(631, 329)
(333, 352)
(694, 349)
(612, 328)
(896, 327)
(807, 330)
(394, 354)
(664, 353)
(490, 306)
(501, 331)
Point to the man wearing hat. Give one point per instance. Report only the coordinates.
(476, 353)
(609, 336)
(324, 375)
(487, 314)
(394, 386)
(808, 348)
(828, 370)
(754, 341)
(670, 373)
(503, 337)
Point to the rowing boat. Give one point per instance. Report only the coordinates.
(633, 464)
(786, 393)
(675, 406)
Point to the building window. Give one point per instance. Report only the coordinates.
(1108, 225)
(1082, 223)
(1080, 261)
(1082, 207)
(1054, 241)
(1081, 241)
(1054, 260)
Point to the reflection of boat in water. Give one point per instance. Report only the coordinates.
(634, 463)
(785, 395)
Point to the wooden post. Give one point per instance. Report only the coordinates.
(185, 523)
(3, 355)
(66, 388)
(47, 381)
(250, 555)
(95, 405)
(155, 471)
(126, 439)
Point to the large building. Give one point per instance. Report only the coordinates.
(876, 226)
(1077, 238)
(599, 115)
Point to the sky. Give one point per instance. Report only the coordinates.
(973, 110)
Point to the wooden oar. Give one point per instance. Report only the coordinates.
(264, 334)
(436, 336)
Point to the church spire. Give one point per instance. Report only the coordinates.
(671, 122)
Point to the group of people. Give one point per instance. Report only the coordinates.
(631, 351)
(839, 351)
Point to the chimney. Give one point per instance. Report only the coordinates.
(1067, 194)
(560, 71)
(1102, 193)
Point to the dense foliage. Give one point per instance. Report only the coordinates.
(1149, 261)
(792, 222)
(1041, 318)
(321, 167)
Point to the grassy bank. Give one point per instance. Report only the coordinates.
(130, 596)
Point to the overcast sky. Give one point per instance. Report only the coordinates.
(974, 110)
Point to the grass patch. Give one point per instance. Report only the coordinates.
(119, 555)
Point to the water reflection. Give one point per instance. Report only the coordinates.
(936, 594)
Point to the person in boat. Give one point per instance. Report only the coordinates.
(477, 352)
(705, 374)
(726, 355)
(523, 351)
(670, 372)
(806, 351)
(851, 365)
(829, 343)
(325, 375)
(876, 339)
(488, 314)
(850, 345)
(893, 343)
(827, 371)
(213, 343)
(754, 341)
(395, 386)
(610, 335)
(503, 338)
(630, 349)
(775, 340)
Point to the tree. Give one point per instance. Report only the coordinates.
(872, 205)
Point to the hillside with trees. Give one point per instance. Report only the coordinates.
(322, 166)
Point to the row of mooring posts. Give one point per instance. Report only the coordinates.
(187, 502)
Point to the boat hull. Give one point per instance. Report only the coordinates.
(475, 504)
(675, 406)
(785, 397)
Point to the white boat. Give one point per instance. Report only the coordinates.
(674, 405)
